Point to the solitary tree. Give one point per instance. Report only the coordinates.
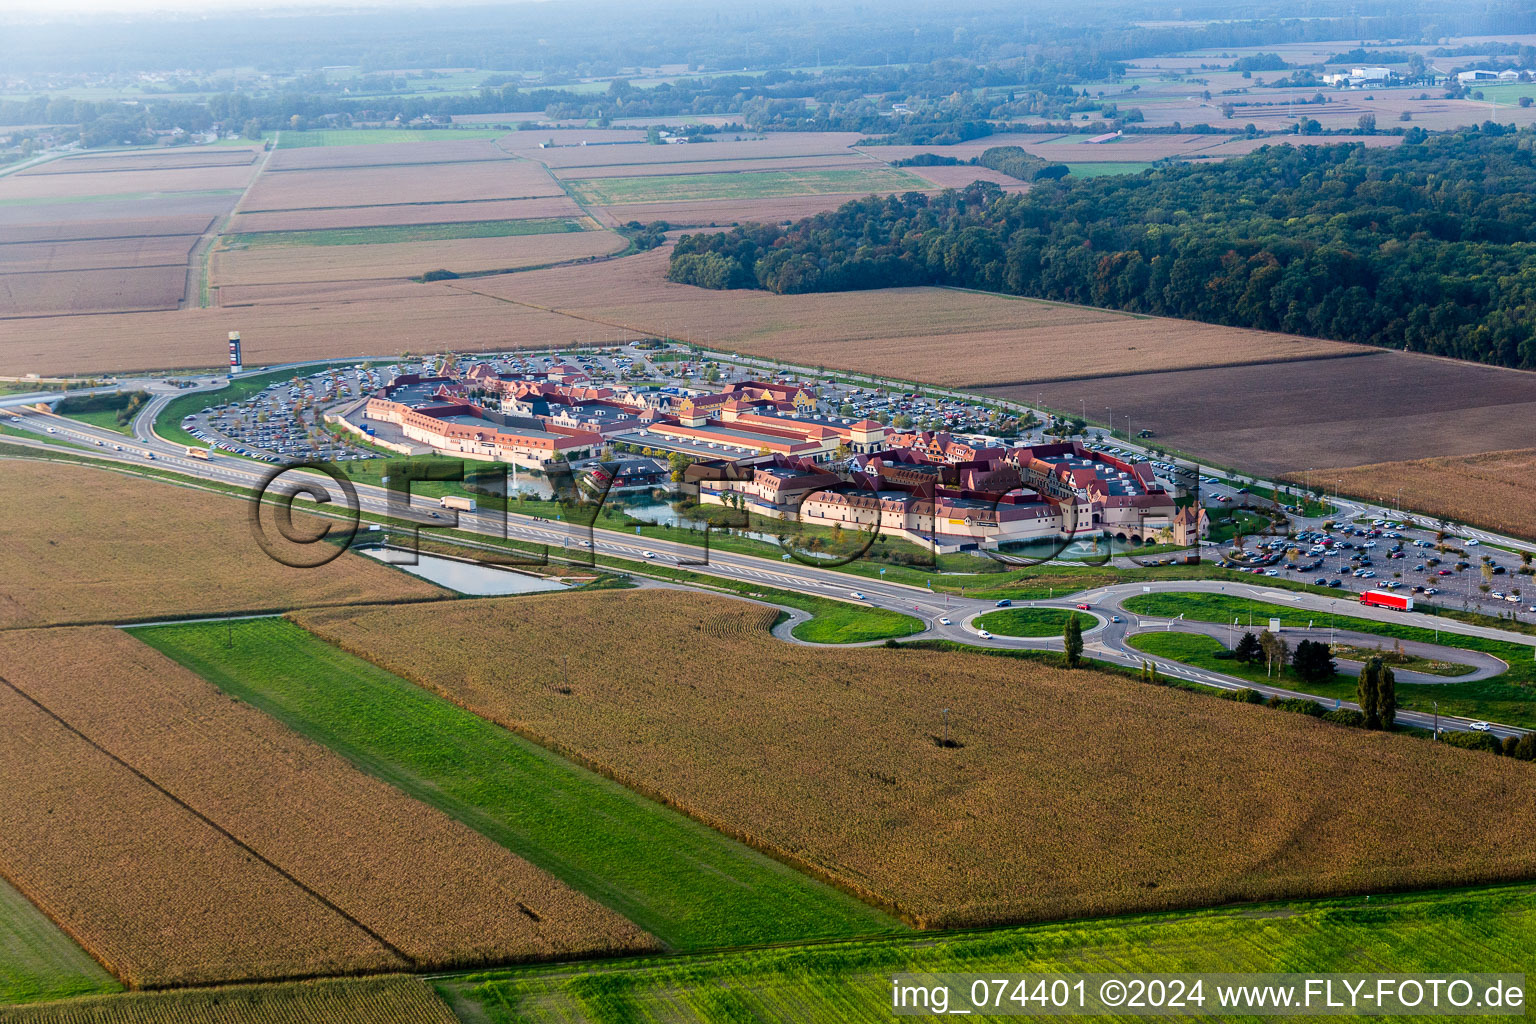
(1386, 696)
(1313, 661)
(1072, 640)
(1248, 650)
(1368, 692)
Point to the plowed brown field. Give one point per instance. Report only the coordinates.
(1494, 490)
(941, 336)
(17, 187)
(1070, 793)
(175, 160)
(123, 289)
(278, 264)
(384, 154)
(778, 144)
(373, 186)
(96, 254)
(409, 213)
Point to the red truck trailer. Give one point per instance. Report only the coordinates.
(1387, 599)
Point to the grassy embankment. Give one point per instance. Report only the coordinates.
(685, 883)
(1492, 929)
(38, 961)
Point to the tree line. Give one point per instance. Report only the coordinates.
(1424, 247)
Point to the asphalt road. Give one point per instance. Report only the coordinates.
(1103, 639)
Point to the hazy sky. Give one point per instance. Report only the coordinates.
(35, 8)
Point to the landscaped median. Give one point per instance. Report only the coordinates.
(1029, 622)
(1508, 697)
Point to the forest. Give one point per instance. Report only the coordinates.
(1424, 247)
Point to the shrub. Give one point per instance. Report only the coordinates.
(1244, 696)
(1525, 750)
(1300, 706)
(1345, 716)
(439, 275)
(1473, 741)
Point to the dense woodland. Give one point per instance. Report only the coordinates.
(1425, 247)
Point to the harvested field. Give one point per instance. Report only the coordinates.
(374, 319)
(959, 177)
(434, 152)
(1054, 805)
(778, 144)
(373, 138)
(864, 180)
(55, 187)
(408, 213)
(1494, 490)
(96, 254)
(387, 1000)
(389, 233)
(276, 264)
(373, 186)
(183, 159)
(1127, 149)
(1298, 416)
(124, 289)
(426, 891)
(941, 336)
(118, 548)
(788, 163)
(170, 215)
(156, 894)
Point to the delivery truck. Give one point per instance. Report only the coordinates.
(194, 452)
(1387, 599)
(454, 501)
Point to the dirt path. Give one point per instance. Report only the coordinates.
(193, 296)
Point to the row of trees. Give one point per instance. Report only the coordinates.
(1424, 247)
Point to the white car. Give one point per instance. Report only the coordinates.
(1473, 542)
(984, 634)
(857, 596)
(648, 554)
(944, 620)
(1481, 727)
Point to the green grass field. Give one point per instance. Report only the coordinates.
(408, 232)
(38, 961)
(688, 885)
(741, 185)
(1491, 930)
(102, 418)
(1095, 170)
(379, 136)
(1029, 621)
(1509, 698)
(838, 623)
